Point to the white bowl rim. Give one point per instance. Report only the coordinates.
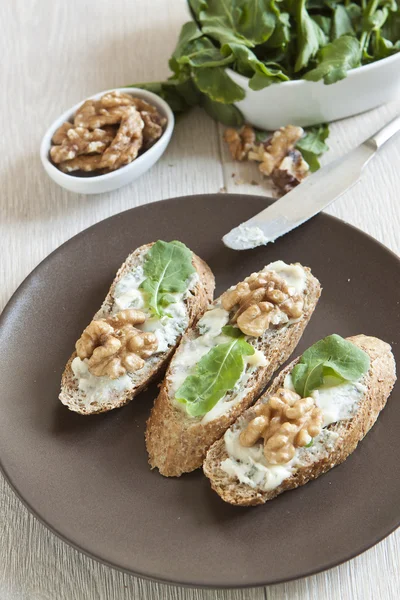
(66, 115)
(297, 82)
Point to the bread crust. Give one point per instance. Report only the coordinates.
(177, 443)
(196, 303)
(379, 382)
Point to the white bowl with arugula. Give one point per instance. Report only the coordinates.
(272, 63)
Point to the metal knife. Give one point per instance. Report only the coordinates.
(310, 197)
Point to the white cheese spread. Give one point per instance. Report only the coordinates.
(98, 389)
(245, 237)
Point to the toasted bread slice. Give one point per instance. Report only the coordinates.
(176, 442)
(196, 300)
(326, 453)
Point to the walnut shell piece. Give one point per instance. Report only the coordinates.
(113, 346)
(286, 422)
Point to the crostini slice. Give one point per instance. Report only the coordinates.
(311, 419)
(157, 294)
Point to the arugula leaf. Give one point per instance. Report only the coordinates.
(248, 64)
(391, 29)
(227, 114)
(324, 22)
(310, 37)
(281, 34)
(382, 48)
(331, 357)
(167, 267)
(219, 20)
(232, 331)
(215, 374)
(216, 83)
(196, 6)
(258, 20)
(341, 22)
(335, 59)
(196, 50)
(313, 144)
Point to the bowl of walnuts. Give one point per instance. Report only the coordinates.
(107, 141)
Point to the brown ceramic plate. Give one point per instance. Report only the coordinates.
(87, 478)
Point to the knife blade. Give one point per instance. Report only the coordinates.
(313, 195)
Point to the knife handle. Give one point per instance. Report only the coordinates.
(384, 134)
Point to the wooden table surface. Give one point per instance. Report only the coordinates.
(53, 55)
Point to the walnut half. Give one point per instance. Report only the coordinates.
(286, 422)
(262, 300)
(113, 346)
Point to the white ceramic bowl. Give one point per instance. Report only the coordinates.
(307, 103)
(97, 184)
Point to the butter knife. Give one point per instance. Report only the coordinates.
(314, 194)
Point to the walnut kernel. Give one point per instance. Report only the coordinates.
(263, 299)
(286, 422)
(113, 346)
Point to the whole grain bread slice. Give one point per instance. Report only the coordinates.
(196, 302)
(379, 382)
(177, 443)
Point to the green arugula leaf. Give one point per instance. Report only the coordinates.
(248, 64)
(335, 59)
(215, 374)
(232, 331)
(196, 6)
(341, 22)
(310, 37)
(189, 33)
(391, 31)
(167, 267)
(324, 22)
(281, 34)
(227, 114)
(196, 50)
(331, 357)
(220, 19)
(313, 144)
(216, 83)
(258, 20)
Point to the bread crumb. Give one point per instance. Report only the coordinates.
(222, 190)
